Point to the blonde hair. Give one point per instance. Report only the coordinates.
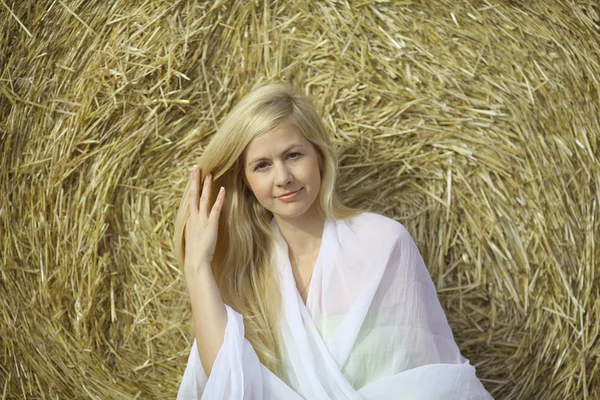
(242, 263)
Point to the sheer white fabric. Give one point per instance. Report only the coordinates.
(372, 328)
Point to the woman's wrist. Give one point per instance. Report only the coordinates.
(197, 275)
(196, 267)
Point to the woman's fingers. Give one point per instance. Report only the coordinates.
(217, 207)
(205, 197)
(194, 187)
(199, 199)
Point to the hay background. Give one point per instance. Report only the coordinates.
(474, 123)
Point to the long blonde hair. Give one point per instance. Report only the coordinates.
(242, 262)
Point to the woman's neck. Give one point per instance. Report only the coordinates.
(302, 235)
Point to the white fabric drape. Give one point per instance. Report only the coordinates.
(372, 328)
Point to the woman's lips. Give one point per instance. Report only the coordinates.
(290, 196)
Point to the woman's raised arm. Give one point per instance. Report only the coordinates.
(208, 309)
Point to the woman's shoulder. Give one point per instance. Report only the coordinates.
(371, 239)
(376, 225)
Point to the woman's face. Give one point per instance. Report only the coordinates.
(279, 162)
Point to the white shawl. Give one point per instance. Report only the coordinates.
(372, 328)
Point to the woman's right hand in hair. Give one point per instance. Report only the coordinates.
(201, 228)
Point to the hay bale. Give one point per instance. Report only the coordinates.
(475, 124)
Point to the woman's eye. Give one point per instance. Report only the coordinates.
(262, 165)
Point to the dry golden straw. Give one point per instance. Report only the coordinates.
(474, 123)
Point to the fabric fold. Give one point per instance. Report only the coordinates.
(372, 328)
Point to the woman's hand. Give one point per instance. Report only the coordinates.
(208, 309)
(201, 227)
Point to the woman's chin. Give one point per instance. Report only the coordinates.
(289, 214)
(292, 211)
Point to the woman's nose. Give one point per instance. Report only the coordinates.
(283, 175)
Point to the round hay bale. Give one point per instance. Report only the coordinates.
(474, 123)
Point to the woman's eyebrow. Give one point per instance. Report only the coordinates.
(282, 153)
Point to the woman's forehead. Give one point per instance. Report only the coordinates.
(275, 141)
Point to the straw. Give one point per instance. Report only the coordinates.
(475, 124)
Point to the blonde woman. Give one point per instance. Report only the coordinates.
(294, 295)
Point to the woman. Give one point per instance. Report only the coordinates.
(293, 294)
